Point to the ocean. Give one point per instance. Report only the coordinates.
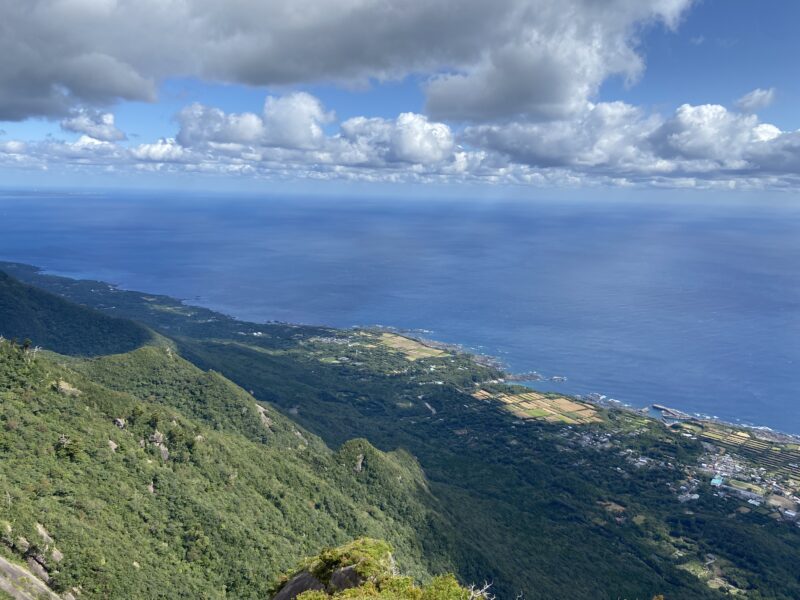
(691, 304)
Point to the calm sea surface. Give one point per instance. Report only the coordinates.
(693, 306)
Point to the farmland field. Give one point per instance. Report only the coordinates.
(554, 409)
(412, 349)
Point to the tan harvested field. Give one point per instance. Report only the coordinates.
(532, 405)
(782, 501)
(612, 507)
(412, 349)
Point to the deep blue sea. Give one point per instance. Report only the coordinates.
(694, 305)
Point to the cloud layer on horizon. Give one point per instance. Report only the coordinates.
(605, 143)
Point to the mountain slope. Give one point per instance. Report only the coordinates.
(124, 497)
(29, 313)
(138, 475)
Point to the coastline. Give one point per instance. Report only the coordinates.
(422, 336)
(668, 413)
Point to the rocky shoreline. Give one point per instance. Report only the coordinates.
(666, 413)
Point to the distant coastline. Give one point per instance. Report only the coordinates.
(526, 378)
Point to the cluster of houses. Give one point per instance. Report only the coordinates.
(730, 475)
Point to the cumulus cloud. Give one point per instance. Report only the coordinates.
(292, 121)
(203, 124)
(603, 134)
(756, 100)
(410, 138)
(542, 58)
(95, 124)
(551, 61)
(710, 132)
(164, 150)
(295, 121)
(621, 141)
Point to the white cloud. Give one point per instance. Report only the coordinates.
(202, 124)
(98, 125)
(291, 121)
(410, 138)
(542, 58)
(164, 150)
(619, 140)
(711, 132)
(756, 100)
(13, 147)
(551, 61)
(604, 134)
(295, 121)
(416, 140)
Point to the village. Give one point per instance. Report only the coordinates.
(769, 488)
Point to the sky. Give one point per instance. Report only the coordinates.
(252, 94)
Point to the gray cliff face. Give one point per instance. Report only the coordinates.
(302, 582)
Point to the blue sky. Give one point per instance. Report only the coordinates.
(722, 50)
(531, 93)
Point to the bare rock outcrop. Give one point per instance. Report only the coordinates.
(359, 464)
(40, 529)
(67, 389)
(157, 439)
(344, 579)
(302, 582)
(265, 420)
(38, 569)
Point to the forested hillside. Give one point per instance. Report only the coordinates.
(138, 475)
(29, 313)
